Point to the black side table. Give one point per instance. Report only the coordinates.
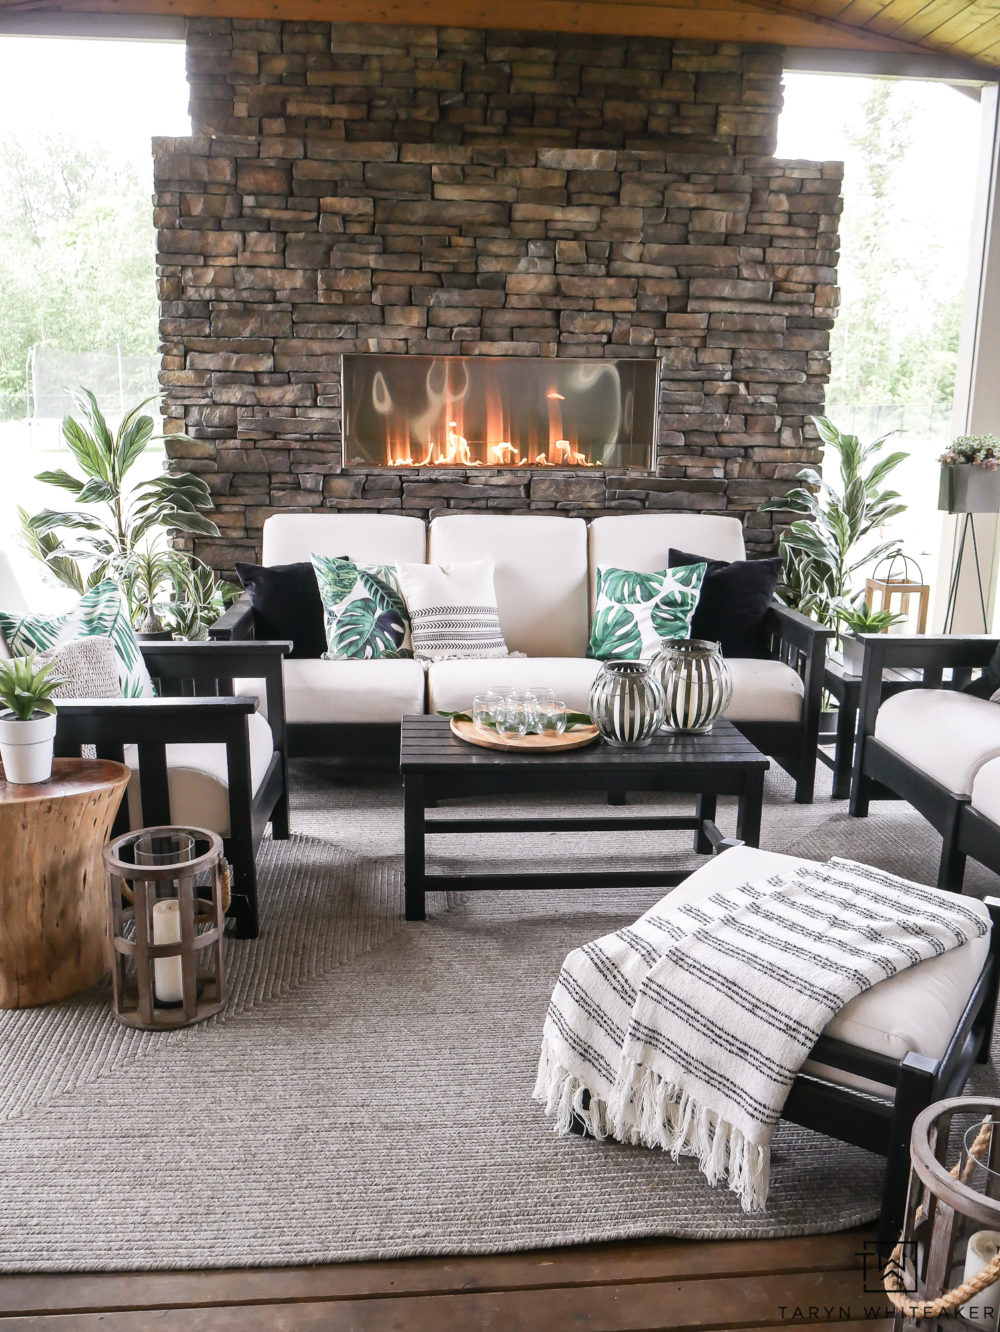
(846, 689)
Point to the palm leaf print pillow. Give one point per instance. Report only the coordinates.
(363, 610)
(101, 612)
(634, 612)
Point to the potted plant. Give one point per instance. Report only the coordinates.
(119, 528)
(27, 719)
(826, 545)
(861, 620)
(970, 479)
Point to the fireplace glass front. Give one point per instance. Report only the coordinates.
(497, 411)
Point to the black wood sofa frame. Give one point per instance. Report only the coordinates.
(195, 705)
(791, 638)
(879, 773)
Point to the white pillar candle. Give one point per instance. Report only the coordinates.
(168, 974)
(983, 1309)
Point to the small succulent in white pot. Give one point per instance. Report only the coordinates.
(861, 620)
(27, 719)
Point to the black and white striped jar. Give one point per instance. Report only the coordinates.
(626, 703)
(697, 685)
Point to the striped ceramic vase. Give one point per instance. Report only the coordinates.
(697, 685)
(626, 703)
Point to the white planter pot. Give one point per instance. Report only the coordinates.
(26, 748)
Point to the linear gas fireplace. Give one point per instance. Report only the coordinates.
(498, 411)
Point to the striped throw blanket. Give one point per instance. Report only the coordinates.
(686, 1030)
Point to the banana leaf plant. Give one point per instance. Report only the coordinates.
(118, 523)
(826, 546)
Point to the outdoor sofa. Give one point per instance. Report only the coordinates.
(545, 570)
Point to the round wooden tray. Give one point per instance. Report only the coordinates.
(575, 738)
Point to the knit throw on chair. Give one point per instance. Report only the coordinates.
(686, 1030)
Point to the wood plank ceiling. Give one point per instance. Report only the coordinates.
(966, 30)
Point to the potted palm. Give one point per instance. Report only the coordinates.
(27, 719)
(119, 526)
(861, 620)
(827, 544)
(970, 475)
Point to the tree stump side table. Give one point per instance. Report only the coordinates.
(54, 938)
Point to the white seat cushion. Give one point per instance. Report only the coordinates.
(986, 790)
(452, 685)
(642, 541)
(918, 1009)
(941, 732)
(764, 691)
(539, 572)
(350, 691)
(375, 538)
(197, 779)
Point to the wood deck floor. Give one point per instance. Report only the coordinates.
(621, 1287)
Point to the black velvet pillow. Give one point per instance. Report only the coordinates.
(732, 602)
(286, 604)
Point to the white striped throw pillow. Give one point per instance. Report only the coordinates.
(453, 610)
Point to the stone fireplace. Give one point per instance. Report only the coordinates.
(358, 195)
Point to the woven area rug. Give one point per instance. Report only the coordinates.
(366, 1094)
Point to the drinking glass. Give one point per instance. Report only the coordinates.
(512, 717)
(527, 700)
(484, 708)
(552, 714)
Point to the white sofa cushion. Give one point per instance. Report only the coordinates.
(986, 790)
(642, 540)
(377, 538)
(540, 574)
(197, 779)
(918, 1009)
(452, 685)
(944, 733)
(346, 691)
(764, 691)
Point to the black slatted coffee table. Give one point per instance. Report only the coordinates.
(436, 766)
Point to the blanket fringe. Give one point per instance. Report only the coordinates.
(563, 1095)
(646, 1109)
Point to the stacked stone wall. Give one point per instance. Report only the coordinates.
(281, 249)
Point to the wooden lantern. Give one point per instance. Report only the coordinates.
(898, 580)
(945, 1271)
(167, 890)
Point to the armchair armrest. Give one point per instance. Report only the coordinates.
(236, 622)
(209, 669)
(793, 627)
(151, 724)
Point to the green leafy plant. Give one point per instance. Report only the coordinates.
(25, 691)
(977, 450)
(199, 598)
(861, 619)
(825, 546)
(119, 523)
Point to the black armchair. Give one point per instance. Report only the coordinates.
(195, 705)
(913, 767)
